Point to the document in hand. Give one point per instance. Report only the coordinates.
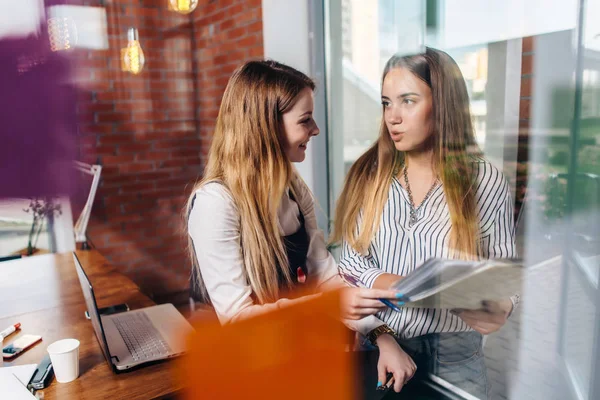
(443, 283)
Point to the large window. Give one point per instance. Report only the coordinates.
(532, 70)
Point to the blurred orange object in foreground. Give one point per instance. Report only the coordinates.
(296, 352)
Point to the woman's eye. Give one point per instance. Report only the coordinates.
(408, 101)
(385, 103)
(305, 121)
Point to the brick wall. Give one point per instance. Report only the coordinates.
(226, 33)
(151, 132)
(524, 116)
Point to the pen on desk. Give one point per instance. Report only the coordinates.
(10, 330)
(353, 281)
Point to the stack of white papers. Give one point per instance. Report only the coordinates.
(14, 380)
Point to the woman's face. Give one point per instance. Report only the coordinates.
(299, 126)
(407, 109)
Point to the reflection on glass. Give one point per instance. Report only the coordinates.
(63, 33)
(579, 334)
(473, 63)
(586, 218)
(520, 70)
(82, 27)
(371, 32)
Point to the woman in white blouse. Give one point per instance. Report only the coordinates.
(251, 219)
(423, 191)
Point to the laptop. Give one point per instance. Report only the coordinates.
(136, 337)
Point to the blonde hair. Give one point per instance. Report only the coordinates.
(247, 157)
(359, 208)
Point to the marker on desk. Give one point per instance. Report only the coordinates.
(353, 281)
(10, 330)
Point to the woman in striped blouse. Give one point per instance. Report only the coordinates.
(423, 191)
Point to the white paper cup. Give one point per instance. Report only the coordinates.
(64, 355)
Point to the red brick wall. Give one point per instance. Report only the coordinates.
(524, 116)
(151, 132)
(227, 32)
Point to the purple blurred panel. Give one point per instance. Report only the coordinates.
(38, 120)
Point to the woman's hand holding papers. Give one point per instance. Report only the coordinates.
(488, 319)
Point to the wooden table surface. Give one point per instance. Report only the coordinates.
(43, 294)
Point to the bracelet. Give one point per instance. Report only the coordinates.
(380, 330)
(515, 300)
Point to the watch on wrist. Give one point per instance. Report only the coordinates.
(380, 330)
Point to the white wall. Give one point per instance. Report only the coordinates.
(285, 32)
(289, 29)
(285, 37)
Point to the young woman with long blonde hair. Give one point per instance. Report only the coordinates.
(251, 220)
(422, 191)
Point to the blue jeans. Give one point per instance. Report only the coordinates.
(454, 357)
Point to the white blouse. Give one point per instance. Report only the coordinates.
(399, 248)
(214, 228)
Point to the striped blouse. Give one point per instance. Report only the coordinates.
(399, 249)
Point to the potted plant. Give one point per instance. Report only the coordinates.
(42, 208)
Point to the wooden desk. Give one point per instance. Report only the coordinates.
(43, 294)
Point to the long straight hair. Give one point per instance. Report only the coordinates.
(247, 157)
(359, 208)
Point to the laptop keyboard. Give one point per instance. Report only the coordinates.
(141, 337)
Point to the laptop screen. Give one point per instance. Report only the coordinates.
(92, 307)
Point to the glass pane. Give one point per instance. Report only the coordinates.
(519, 72)
(473, 63)
(579, 334)
(371, 32)
(586, 200)
(580, 338)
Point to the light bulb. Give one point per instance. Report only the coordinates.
(63, 33)
(133, 58)
(183, 6)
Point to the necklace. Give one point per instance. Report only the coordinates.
(414, 211)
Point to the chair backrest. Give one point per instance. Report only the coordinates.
(82, 222)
